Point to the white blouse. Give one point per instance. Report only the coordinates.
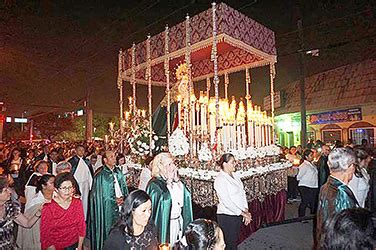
(360, 187)
(231, 194)
(308, 175)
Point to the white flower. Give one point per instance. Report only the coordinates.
(155, 138)
(138, 143)
(178, 143)
(205, 154)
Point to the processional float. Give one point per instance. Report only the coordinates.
(214, 43)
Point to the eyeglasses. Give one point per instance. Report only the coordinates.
(66, 188)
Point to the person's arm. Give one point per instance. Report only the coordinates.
(80, 243)
(81, 223)
(26, 222)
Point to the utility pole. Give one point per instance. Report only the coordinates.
(89, 117)
(303, 120)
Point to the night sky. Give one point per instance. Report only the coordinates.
(53, 52)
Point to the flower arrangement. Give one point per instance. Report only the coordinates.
(139, 140)
(178, 143)
(204, 154)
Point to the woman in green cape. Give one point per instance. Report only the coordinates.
(171, 200)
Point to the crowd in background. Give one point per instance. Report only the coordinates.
(75, 195)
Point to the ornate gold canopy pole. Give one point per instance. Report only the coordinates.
(133, 80)
(214, 58)
(188, 63)
(121, 101)
(272, 76)
(167, 73)
(249, 107)
(148, 77)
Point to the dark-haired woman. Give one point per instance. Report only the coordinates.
(232, 208)
(16, 166)
(29, 238)
(308, 184)
(204, 234)
(134, 230)
(10, 212)
(63, 221)
(359, 184)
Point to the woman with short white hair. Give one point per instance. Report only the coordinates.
(171, 200)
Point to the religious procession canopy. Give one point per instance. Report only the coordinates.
(215, 42)
(242, 43)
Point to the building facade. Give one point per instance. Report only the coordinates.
(340, 103)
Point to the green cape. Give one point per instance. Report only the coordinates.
(161, 207)
(103, 208)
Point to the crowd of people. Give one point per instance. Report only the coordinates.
(73, 195)
(333, 180)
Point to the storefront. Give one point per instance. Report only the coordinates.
(328, 131)
(341, 105)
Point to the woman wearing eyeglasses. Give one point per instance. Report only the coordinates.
(63, 222)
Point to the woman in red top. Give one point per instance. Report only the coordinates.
(63, 222)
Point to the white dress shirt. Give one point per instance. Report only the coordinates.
(308, 175)
(231, 194)
(360, 187)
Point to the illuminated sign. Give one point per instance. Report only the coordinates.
(20, 120)
(345, 115)
(80, 112)
(8, 119)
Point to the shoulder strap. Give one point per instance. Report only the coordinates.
(351, 194)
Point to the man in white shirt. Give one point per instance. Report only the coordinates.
(52, 162)
(83, 173)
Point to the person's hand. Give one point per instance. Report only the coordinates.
(247, 217)
(119, 201)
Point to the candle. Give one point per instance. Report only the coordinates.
(130, 103)
(179, 110)
(198, 122)
(106, 139)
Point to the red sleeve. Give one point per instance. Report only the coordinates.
(46, 226)
(81, 218)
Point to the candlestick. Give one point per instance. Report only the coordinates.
(111, 125)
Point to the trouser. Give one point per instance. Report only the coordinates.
(230, 225)
(309, 199)
(292, 187)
